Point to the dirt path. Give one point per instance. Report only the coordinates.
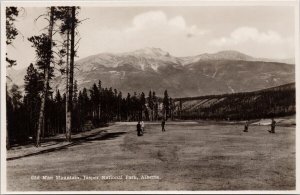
(185, 157)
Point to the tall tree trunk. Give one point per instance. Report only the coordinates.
(152, 114)
(99, 111)
(7, 136)
(43, 126)
(46, 82)
(68, 112)
(72, 55)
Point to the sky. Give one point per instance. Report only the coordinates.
(259, 31)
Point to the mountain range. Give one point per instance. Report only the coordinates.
(154, 69)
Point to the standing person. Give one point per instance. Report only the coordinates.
(273, 124)
(143, 126)
(246, 126)
(139, 129)
(163, 125)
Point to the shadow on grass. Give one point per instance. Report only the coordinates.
(76, 141)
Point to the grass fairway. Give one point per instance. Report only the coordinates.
(203, 156)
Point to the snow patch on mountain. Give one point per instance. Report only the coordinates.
(144, 59)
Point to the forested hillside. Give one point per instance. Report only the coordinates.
(271, 102)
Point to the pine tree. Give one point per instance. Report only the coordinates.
(110, 101)
(9, 118)
(79, 111)
(142, 103)
(151, 104)
(100, 98)
(155, 105)
(16, 96)
(75, 96)
(95, 97)
(134, 106)
(166, 105)
(11, 30)
(11, 33)
(69, 23)
(86, 107)
(33, 87)
(72, 56)
(44, 52)
(58, 112)
(128, 107)
(119, 99)
(75, 119)
(14, 103)
(172, 108)
(65, 29)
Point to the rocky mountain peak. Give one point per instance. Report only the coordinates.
(151, 52)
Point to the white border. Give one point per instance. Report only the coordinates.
(3, 102)
(297, 69)
(154, 3)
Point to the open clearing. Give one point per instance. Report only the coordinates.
(188, 156)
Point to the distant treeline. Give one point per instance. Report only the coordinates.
(271, 102)
(92, 108)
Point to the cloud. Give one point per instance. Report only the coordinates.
(245, 34)
(148, 29)
(254, 42)
(158, 20)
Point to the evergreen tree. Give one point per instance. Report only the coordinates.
(69, 22)
(75, 96)
(15, 121)
(85, 104)
(95, 99)
(155, 105)
(151, 105)
(9, 119)
(128, 107)
(119, 103)
(135, 106)
(80, 111)
(16, 96)
(115, 104)
(11, 33)
(59, 116)
(166, 105)
(172, 108)
(11, 30)
(33, 87)
(100, 98)
(142, 106)
(75, 118)
(44, 52)
(73, 23)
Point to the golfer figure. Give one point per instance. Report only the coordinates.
(139, 129)
(143, 126)
(163, 125)
(246, 126)
(273, 124)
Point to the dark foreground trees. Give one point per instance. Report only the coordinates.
(69, 23)
(11, 33)
(93, 107)
(43, 111)
(63, 20)
(44, 52)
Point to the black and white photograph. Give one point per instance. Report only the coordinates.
(149, 96)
